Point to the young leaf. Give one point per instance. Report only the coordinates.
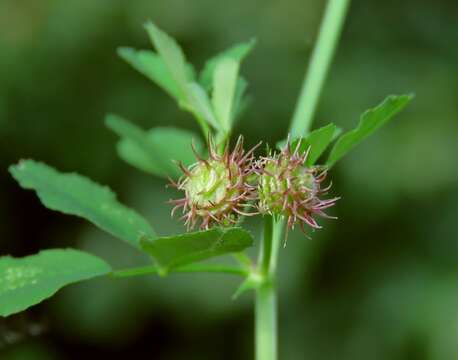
(224, 91)
(151, 151)
(172, 56)
(27, 281)
(241, 101)
(152, 66)
(77, 195)
(318, 141)
(199, 104)
(370, 121)
(174, 251)
(237, 53)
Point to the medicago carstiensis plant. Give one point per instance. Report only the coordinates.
(219, 181)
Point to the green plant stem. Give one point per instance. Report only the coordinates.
(266, 246)
(192, 268)
(243, 259)
(278, 226)
(266, 322)
(266, 299)
(319, 64)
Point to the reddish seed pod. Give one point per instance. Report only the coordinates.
(216, 190)
(289, 188)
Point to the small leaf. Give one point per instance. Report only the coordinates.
(161, 138)
(241, 101)
(237, 53)
(151, 151)
(152, 66)
(318, 141)
(27, 281)
(174, 251)
(370, 121)
(172, 55)
(77, 195)
(224, 91)
(200, 105)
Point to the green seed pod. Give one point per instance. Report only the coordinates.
(216, 190)
(287, 187)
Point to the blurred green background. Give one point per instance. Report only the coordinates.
(379, 283)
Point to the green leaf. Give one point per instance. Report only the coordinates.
(200, 106)
(77, 195)
(172, 55)
(318, 141)
(224, 91)
(175, 251)
(27, 281)
(241, 101)
(152, 66)
(151, 151)
(370, 121)
(237, 53)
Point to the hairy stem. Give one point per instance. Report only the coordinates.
(330, 29)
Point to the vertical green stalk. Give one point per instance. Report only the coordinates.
(330, 29)
(266, 322)
(266, 298)
(266, 302)
(265, 256)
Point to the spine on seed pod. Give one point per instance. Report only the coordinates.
(289, 188)
(217, 190)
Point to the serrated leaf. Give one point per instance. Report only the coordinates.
(27, 281)
(237, 52)
(74, 194)
(151, 151)
(172, 56)
(173, 251)
(224, 91)
(370, 121)
(152, 66)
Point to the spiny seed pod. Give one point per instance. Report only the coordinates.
(287, 187)
(217, 190)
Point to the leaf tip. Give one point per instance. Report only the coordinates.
(20, 166)
(149, 25)
(109, 119)
(124, 51)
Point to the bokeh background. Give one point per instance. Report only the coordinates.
(379, 283)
